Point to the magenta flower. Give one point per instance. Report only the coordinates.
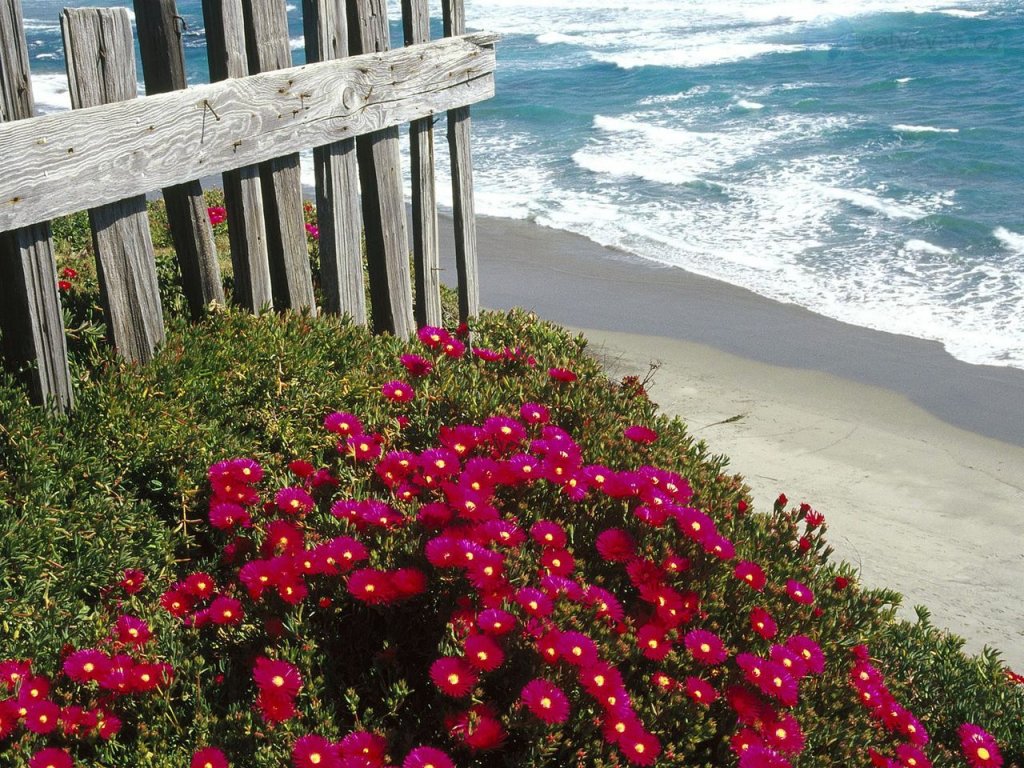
(427, 757)
(640, 434)
(751, 574)
(51, 757)
(398, 392)
(279, 677)
(562, 374)
(534, 413)
(416, 365)
(700, 691)
(312, 751)
(616, 545)
(132, 630)
(294, 501)
(799, 593)
(433, 337)
(217, 214)
(546, 701)
(209, 757)
(705, 647)
(344, 424)
(979, 747)
(453, 676)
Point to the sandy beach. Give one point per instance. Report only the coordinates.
(915, 458)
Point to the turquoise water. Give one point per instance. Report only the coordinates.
(864, 164)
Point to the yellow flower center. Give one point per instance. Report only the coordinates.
(277, 680)
(599, 680)
(652, 643)
(545, 702)
(705, 648)
(781, 733)
(620, 727)
(370, 588)
(314, 758)
(398, 393)
(453, 679)
(482, 655)
(88, 667)
(983, 754)
(638, 748)
(577, 651)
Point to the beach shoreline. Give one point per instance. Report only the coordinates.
(915, 458)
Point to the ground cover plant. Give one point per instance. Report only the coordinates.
(287, 542)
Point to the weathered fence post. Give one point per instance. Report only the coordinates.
(426, 251)
(30, 312)
(163, 65)
(380, 174)
(463, 207)
(100, 56)
(266, 34)
(243, 193)
(337, 178)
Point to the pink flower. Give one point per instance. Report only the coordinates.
(979, 747)
(86, 665)
(209, 757)
(371, 586)
(706, 647)
(312, 751)
(294, 501)
(799, 593)
(344, 424)
(42, 716)
(217, 214)
(615, 545)
(495, 621)
(562, 374)
(416, 366)
(453, 676)
(132, 630)
(398, 392)
(427, 757)
(276, 676)
(533, 413)
(546, 701)
(640, 746)
(640, 434)
(762, 623)
(433, 337)
(483, 653)
(51, 757)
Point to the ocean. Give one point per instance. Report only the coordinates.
(863, 160)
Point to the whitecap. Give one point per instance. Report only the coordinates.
(923, 246)
(903, 128)
(869, 201)
(554, 38)
(1011, 240)
(903, 80)
(746, 104)
(961, 13)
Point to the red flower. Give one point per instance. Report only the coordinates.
(483, 653)
(912, 757)
(200, 585)
(217, 214)
(652, 642)
(225, 610)
(706, 647)
(312, 751)
(453, 676)
(562, 374)
(701, 691)
(64, 285)
(809, 651)
(640, 434)
(427, 757)
(979, 747)
(398, 392)
(763, 624)
(275, 707)
(616, 545)
(784, 735)
(364, 747)
(479, 729)
(495, 621)
(548, 534)
(276, 676)
(416, 365)
(132, 580)
(209, 757)
(362, 447)
(546, 701)
(42, 716)
(371, 586)
(577, 649)
(750, 573)
(51, 757)
(639, 746)
(533, 413)
(69, 273)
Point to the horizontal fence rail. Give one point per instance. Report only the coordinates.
(58, 164)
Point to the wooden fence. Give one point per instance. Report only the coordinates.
(249, 124)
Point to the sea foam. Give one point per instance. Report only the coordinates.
(1010, 240)
(903, 128)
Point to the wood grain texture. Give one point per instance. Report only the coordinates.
(243, 192)
(16, 101)
(266, 36)
(425, 246)
(66, 162)
(380, 174)
(100, 56)
(337, 179)
(163, 65)
(30, 312)
(463, 204)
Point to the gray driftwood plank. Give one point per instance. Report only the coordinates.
(463, 207)
(65, 162)
(100, 56)
(425, 248)
(30, 314)
(243, 193)
(337, 178)
(267, 43)
(163, 65)
(380, 175)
